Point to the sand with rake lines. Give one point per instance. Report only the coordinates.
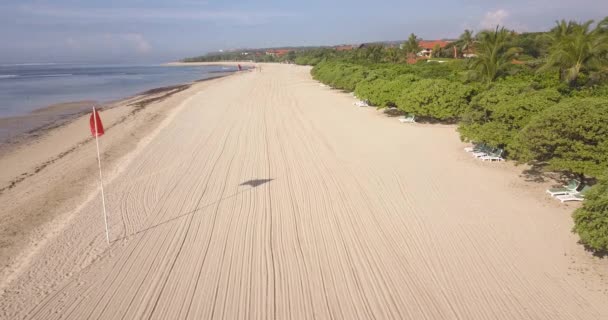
(265, 196)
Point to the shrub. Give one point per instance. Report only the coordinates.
(385, 73)
(381, 92)
(348, 77)
(436, 98)
(591, 220)
(339, 75)
(497, 115)
(571, 136)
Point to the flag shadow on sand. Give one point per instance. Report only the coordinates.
(252, 183)
(255, 182)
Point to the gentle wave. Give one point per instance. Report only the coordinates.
(55, 75)
(6, 76)
(45, 75)
(29, 64)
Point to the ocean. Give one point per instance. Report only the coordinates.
(28, 87)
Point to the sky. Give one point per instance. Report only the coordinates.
(151, 31)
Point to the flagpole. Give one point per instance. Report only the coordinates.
(103, 198)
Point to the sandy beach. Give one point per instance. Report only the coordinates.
(263, 195)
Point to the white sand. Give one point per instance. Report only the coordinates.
(350, 215)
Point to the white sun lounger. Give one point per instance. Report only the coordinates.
(474, 148)
(574, 196)
(480, 154)
(570, 197)
(569, 188)
(493, 156)
(361, 104)
(407, 119)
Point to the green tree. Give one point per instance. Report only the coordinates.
(497, 115)
(436, 51)
(393, 54)
(412, 45)
(467, 40)
(290, 56)
(591, 220)
(339, 75)
(439, 99)
(494, 54)
(383, 92)
(374, 53)
(571, 137)
(533, 44)
(577, 48)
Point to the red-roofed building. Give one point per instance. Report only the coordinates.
(428, 46)
(431, 44)
(344, 48)
(277, 52)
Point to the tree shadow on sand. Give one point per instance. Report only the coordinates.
(601, 254)
(535, 173)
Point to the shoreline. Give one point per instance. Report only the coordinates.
(267, 174)
(245, 63)
(28, 224)
(18, 130)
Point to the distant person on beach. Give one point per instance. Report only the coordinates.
(240, 68)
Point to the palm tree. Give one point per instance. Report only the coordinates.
(494, 54)
(392, 54)
(412, 46)
(556, 35)
(467, 40)
(576, 48)
(602, 26)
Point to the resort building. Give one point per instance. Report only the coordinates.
(428, 46)
(277, 52)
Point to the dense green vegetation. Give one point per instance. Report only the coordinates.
(542, 97)
(380, 91)
(591, 220)
(498, 114)
(576, 48)
(571, 136)
(438, 99)
(495, 54)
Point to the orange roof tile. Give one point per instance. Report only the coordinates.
(431, 44)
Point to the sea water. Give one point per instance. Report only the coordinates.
(27, 87)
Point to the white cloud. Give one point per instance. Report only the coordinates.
(240, 17)
(491, 19)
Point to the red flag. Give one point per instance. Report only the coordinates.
(96, 125)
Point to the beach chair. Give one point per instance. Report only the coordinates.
(574, 196)
(476, 147)
(471, 148)
(494, 156)
(571, 187)
(361, 103)
(408, 119)
(483, 151)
